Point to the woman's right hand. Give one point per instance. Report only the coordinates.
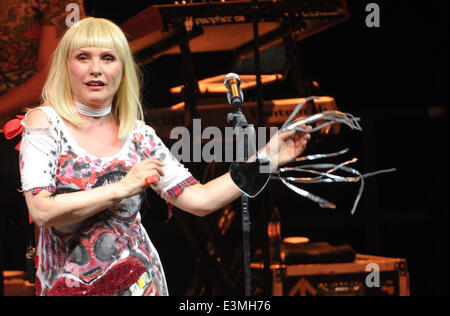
(137, 179)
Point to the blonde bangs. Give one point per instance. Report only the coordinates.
(95, 32)
(98, 33)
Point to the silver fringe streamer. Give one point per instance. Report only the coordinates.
(328, 173)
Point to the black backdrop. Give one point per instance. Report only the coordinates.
(396, 79)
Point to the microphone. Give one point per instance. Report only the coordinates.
(234, 94)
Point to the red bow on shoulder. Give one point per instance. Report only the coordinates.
(13, 128)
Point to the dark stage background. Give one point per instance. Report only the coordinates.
(396, 79)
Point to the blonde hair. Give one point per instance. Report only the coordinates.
(94, 32)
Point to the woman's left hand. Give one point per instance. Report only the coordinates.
(286, 146)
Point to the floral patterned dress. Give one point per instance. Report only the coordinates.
(109, 253)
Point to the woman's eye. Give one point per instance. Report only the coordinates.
(109, 58)
(81, 57)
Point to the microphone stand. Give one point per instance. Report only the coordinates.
(261, 122)
(240, 122)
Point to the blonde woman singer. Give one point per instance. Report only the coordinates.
(86, 157)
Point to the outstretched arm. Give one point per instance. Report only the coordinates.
(203, 199)
(199, 199)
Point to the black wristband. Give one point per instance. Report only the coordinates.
(248, 176)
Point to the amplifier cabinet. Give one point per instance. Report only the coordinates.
(366, 276)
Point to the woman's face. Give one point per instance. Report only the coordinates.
(95, 75)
